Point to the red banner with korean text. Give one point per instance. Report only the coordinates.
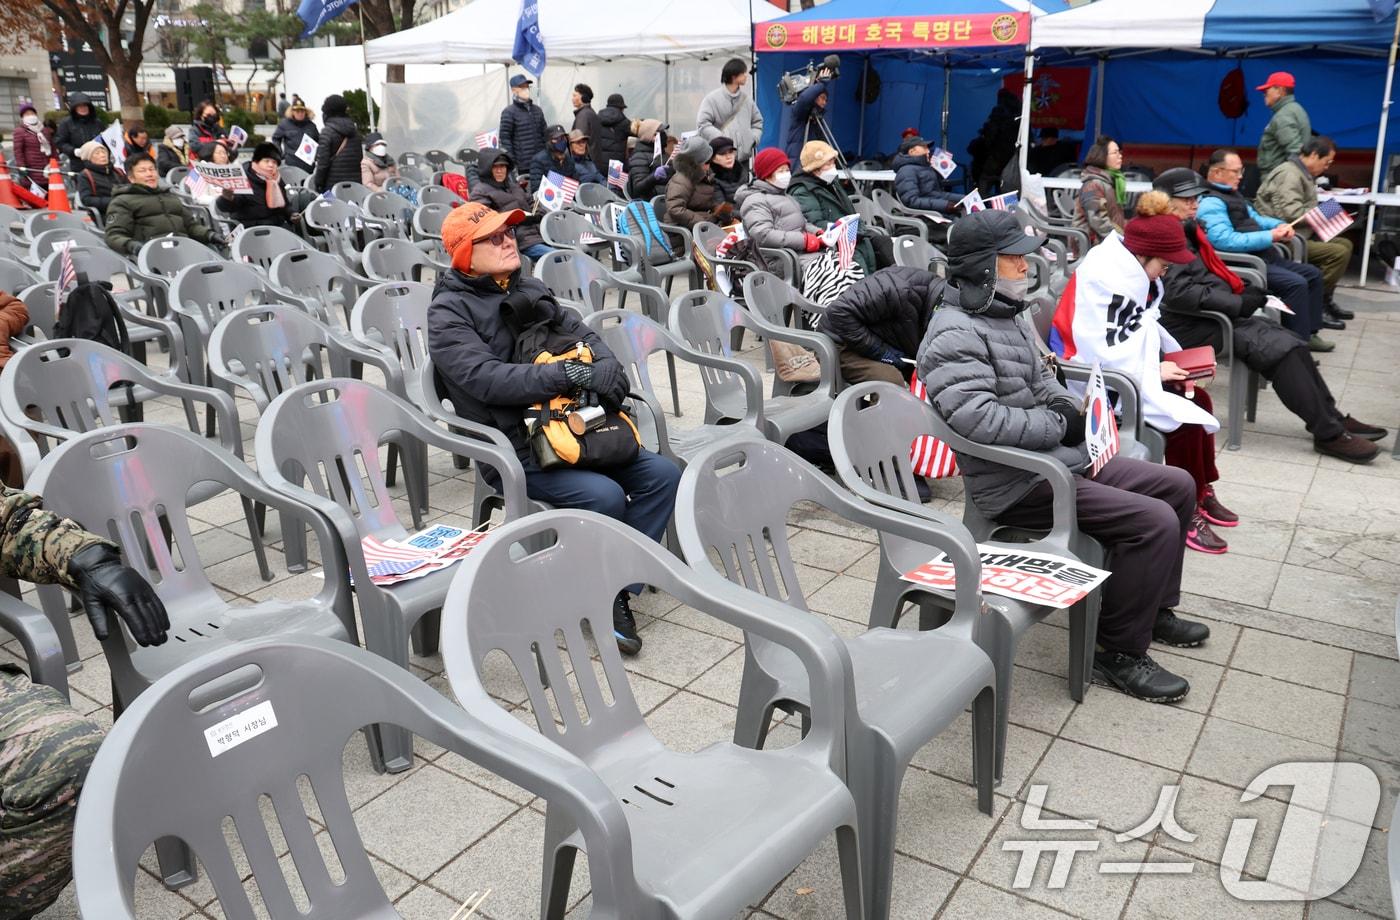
(1059, 96)
(893, 32)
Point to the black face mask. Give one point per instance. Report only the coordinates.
(560, 145)
(211, 120)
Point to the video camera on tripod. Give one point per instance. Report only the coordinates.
(795, 81)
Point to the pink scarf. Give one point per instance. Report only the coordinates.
(275, 198)
(43, 138)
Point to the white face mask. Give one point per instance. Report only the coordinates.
(177, 141)
(31, 119)
(782, 178)
(379, 150)
(828, 174)
(1014, 289)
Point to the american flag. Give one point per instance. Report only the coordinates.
(566, 185)
(1327, 220)
(615, 175)
(1005, 202)
(386, 562)
(846, 230)
(67, 277)
(196, 184)
(930, 457)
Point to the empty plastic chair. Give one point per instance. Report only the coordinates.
(779, 302)
(161, 259)
(394, 316)
(427, 220)
(15, 277)
(436, 194)
(390, 206)
(353, 192)
(917, 252)
(713, 831)
(44, 243)
(39, 640)
(258, 246)
(322, 278)
(39, 221)
(341, 228)
(293, 175)
(399, 260)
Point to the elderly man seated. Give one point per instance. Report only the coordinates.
(918, 185)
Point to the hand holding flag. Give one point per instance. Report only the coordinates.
(942, 161)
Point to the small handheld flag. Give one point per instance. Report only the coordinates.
(1327, 220)
(1100, 427)
(616, 178)
(1005, 202)
(486, 139)
(972, 202)
(942, 161)
(556, 191)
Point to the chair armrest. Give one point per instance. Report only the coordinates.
(1244, 260)
(818, 344)
(753, 385)
(350, 347)
(42, 649)
(788, 259)
(170, 329)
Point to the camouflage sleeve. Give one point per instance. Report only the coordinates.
(35, 545)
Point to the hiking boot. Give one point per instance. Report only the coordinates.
(1215, 512)
(1331, 322)
(1362, 430)
(1331, 309)
(625, 626)
(1139, 676)
(1317, 343)
(1171, 629)
(1349, 448)
(1202, 539)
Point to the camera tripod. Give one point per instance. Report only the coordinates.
(827, 136)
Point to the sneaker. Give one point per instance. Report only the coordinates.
(1171, 629)
(1216, 513)
(625, 626)
(1139, 676)
(1363, 430)
(1349, 448)
(1202, 539)
(1318, 343)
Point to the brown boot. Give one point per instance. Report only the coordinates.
(1363, 430)
(1348, 447)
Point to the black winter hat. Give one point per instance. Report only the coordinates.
(974, 242)
(333, 106)
(616, 101)
(267, 151)
(1180, 182)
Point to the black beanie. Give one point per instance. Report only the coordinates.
(334, 105)
(267, 151)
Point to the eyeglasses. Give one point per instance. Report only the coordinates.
(497, 239)
(1227, 169)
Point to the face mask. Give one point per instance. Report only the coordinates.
(211, 119)
(31, 119)
(828, 174)
(781, 179)
(1013, 289)
(379, 150)
(560, 145)
(522, 95)
(178, 141)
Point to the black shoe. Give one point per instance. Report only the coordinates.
(1330, 323)
(1139, 676)
(625, 626)
(1337, 312)
(1360, 429)
(1171, 629)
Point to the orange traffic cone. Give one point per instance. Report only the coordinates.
(58, 195)
(7, 185)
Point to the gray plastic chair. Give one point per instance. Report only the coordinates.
(650, 262)
(436, 194)
(341, 228)
(886, 211)
(258, 246)
(917, 252)
(633, 339)
(733, 506)
(712, 832)
(352, 192)
(11, 222)
(320, 692)
(390, 206)
(39, 221)
(42, 644)
(15, 277)
(339, 424)
(322, 278)
(45, 242)
(293, 175)
(393, 259)
(780, 303)
(161, 259)
(872, 427)
(706, 320)
(567, 229)
(427, 220)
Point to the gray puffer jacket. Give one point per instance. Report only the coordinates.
(773, 219)
(987, 381)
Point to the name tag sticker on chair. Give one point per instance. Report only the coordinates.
(246, 725)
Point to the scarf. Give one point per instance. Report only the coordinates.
(43, 138)
(1214, 264)
(274, 197)
(1120, 185)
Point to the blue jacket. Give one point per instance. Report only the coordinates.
(1212, 214)
(918, 185)
(802, 108)
(585, 170)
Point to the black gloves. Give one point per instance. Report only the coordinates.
(1074, 421)
(104, 585)
(610, 383)
(1251, 299)
(580, 375)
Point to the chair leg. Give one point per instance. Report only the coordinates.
(874, 777)
(255, 517)
(391, 467)
(756, 705)
(848, 852)
(424, 635)
(390, 747)
(56, 610)
(988, 744)
(1253, 395)
(1000, 646)
(294, 542)
(177, 863)
(675, 389)
(557, 874)
(887, 603)
(1079, 635)
(1239, 385)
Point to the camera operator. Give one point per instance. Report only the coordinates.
(810, 107)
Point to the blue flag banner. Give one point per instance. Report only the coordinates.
(1381, 8)
(317, 12)
(529, 45)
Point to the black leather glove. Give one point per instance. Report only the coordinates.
(610, 383)
(1251, 299)
(105, 585)
(1074, 421)
(581, 376)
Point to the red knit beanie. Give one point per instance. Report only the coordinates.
(1157, 236)
(768, 161)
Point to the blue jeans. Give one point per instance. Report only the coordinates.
(1299, 285)
(536, 251)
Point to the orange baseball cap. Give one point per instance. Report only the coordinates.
(1278, 78)
(471, 222)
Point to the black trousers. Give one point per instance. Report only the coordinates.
(1299, 285)
(1301, 388)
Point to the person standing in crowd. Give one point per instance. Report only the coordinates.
(1098, 209)
(878, 322)
(291, 131)
(340, 151)
(1050, 153)
(267, 206)
(145, 209)
(554, 157)
(691, 195)
(810, 107)
(377, 167)
(986, 379)
(1233, 225)
(918, 185)
(207, 128)
(823, 201)
(171, 152)
(282, 106)
(1288, 129)
(730, 174)
(1208, 284)
(995, 143)
(1289, 192)
(614, 128)
(1118, 287)
(81, 126)
(472, 345)
(97, 180)
(137, 139)
(33, 147)
(499, 192)
(731, 112)
(523, 127)
(586, 121)
(647, 172)
(585, 170)
(772, 218)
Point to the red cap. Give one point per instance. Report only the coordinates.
(1159, 236)
(1278, 78)
(768, 160)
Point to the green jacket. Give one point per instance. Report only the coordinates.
(138, 213)
(825, 203)
(1288, 192)
(1284, 135)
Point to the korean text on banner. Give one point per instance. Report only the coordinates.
(1100, 427)
(1036, 578)
(979, 30)
(225, 175)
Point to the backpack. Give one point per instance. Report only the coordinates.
(639, 219)
(90, 312)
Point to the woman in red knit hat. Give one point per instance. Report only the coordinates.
(771, 217)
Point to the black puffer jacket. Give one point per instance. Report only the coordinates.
(73, 132)
(918, 185)
(641, 169)
(95, 185)
(289, 134)
(523, 130)
(340, 152)
(252, 210)
(506, 196)
(615, 128)
(543, 164)
(473, 350)
(888, 310)
(729, 181)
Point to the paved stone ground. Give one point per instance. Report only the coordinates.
(1301, 665)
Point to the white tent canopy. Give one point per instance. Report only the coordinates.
(483, 31)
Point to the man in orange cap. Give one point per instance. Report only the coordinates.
(473, 346)
(1285, 133)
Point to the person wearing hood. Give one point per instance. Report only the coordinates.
(96, 180)
(691, 195)
(146, 208)
(523, 128)
(81, 126)
(648, 172)
(585, 170)
(995, 143)
(291, 131)
(340, 152)
(879, 321)
(267, 206)
(810, 108)
(1098, 209)
(377, 167)
(918, 185)
(171, 152)
(730, 111)
(496, 189)
(614, 128)
(986, 379)
(33, 146)
(772, 218)
(587, 123)
(476, 308)
(138, 139)
(823, 201)
(730, 173)
(555, 157)
(208, 127)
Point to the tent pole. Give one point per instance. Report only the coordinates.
(668, 90)
(1380, 152)
(369, 93)
(864, 83)
(1098, 98)
(947, 98)
(1024, 135)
